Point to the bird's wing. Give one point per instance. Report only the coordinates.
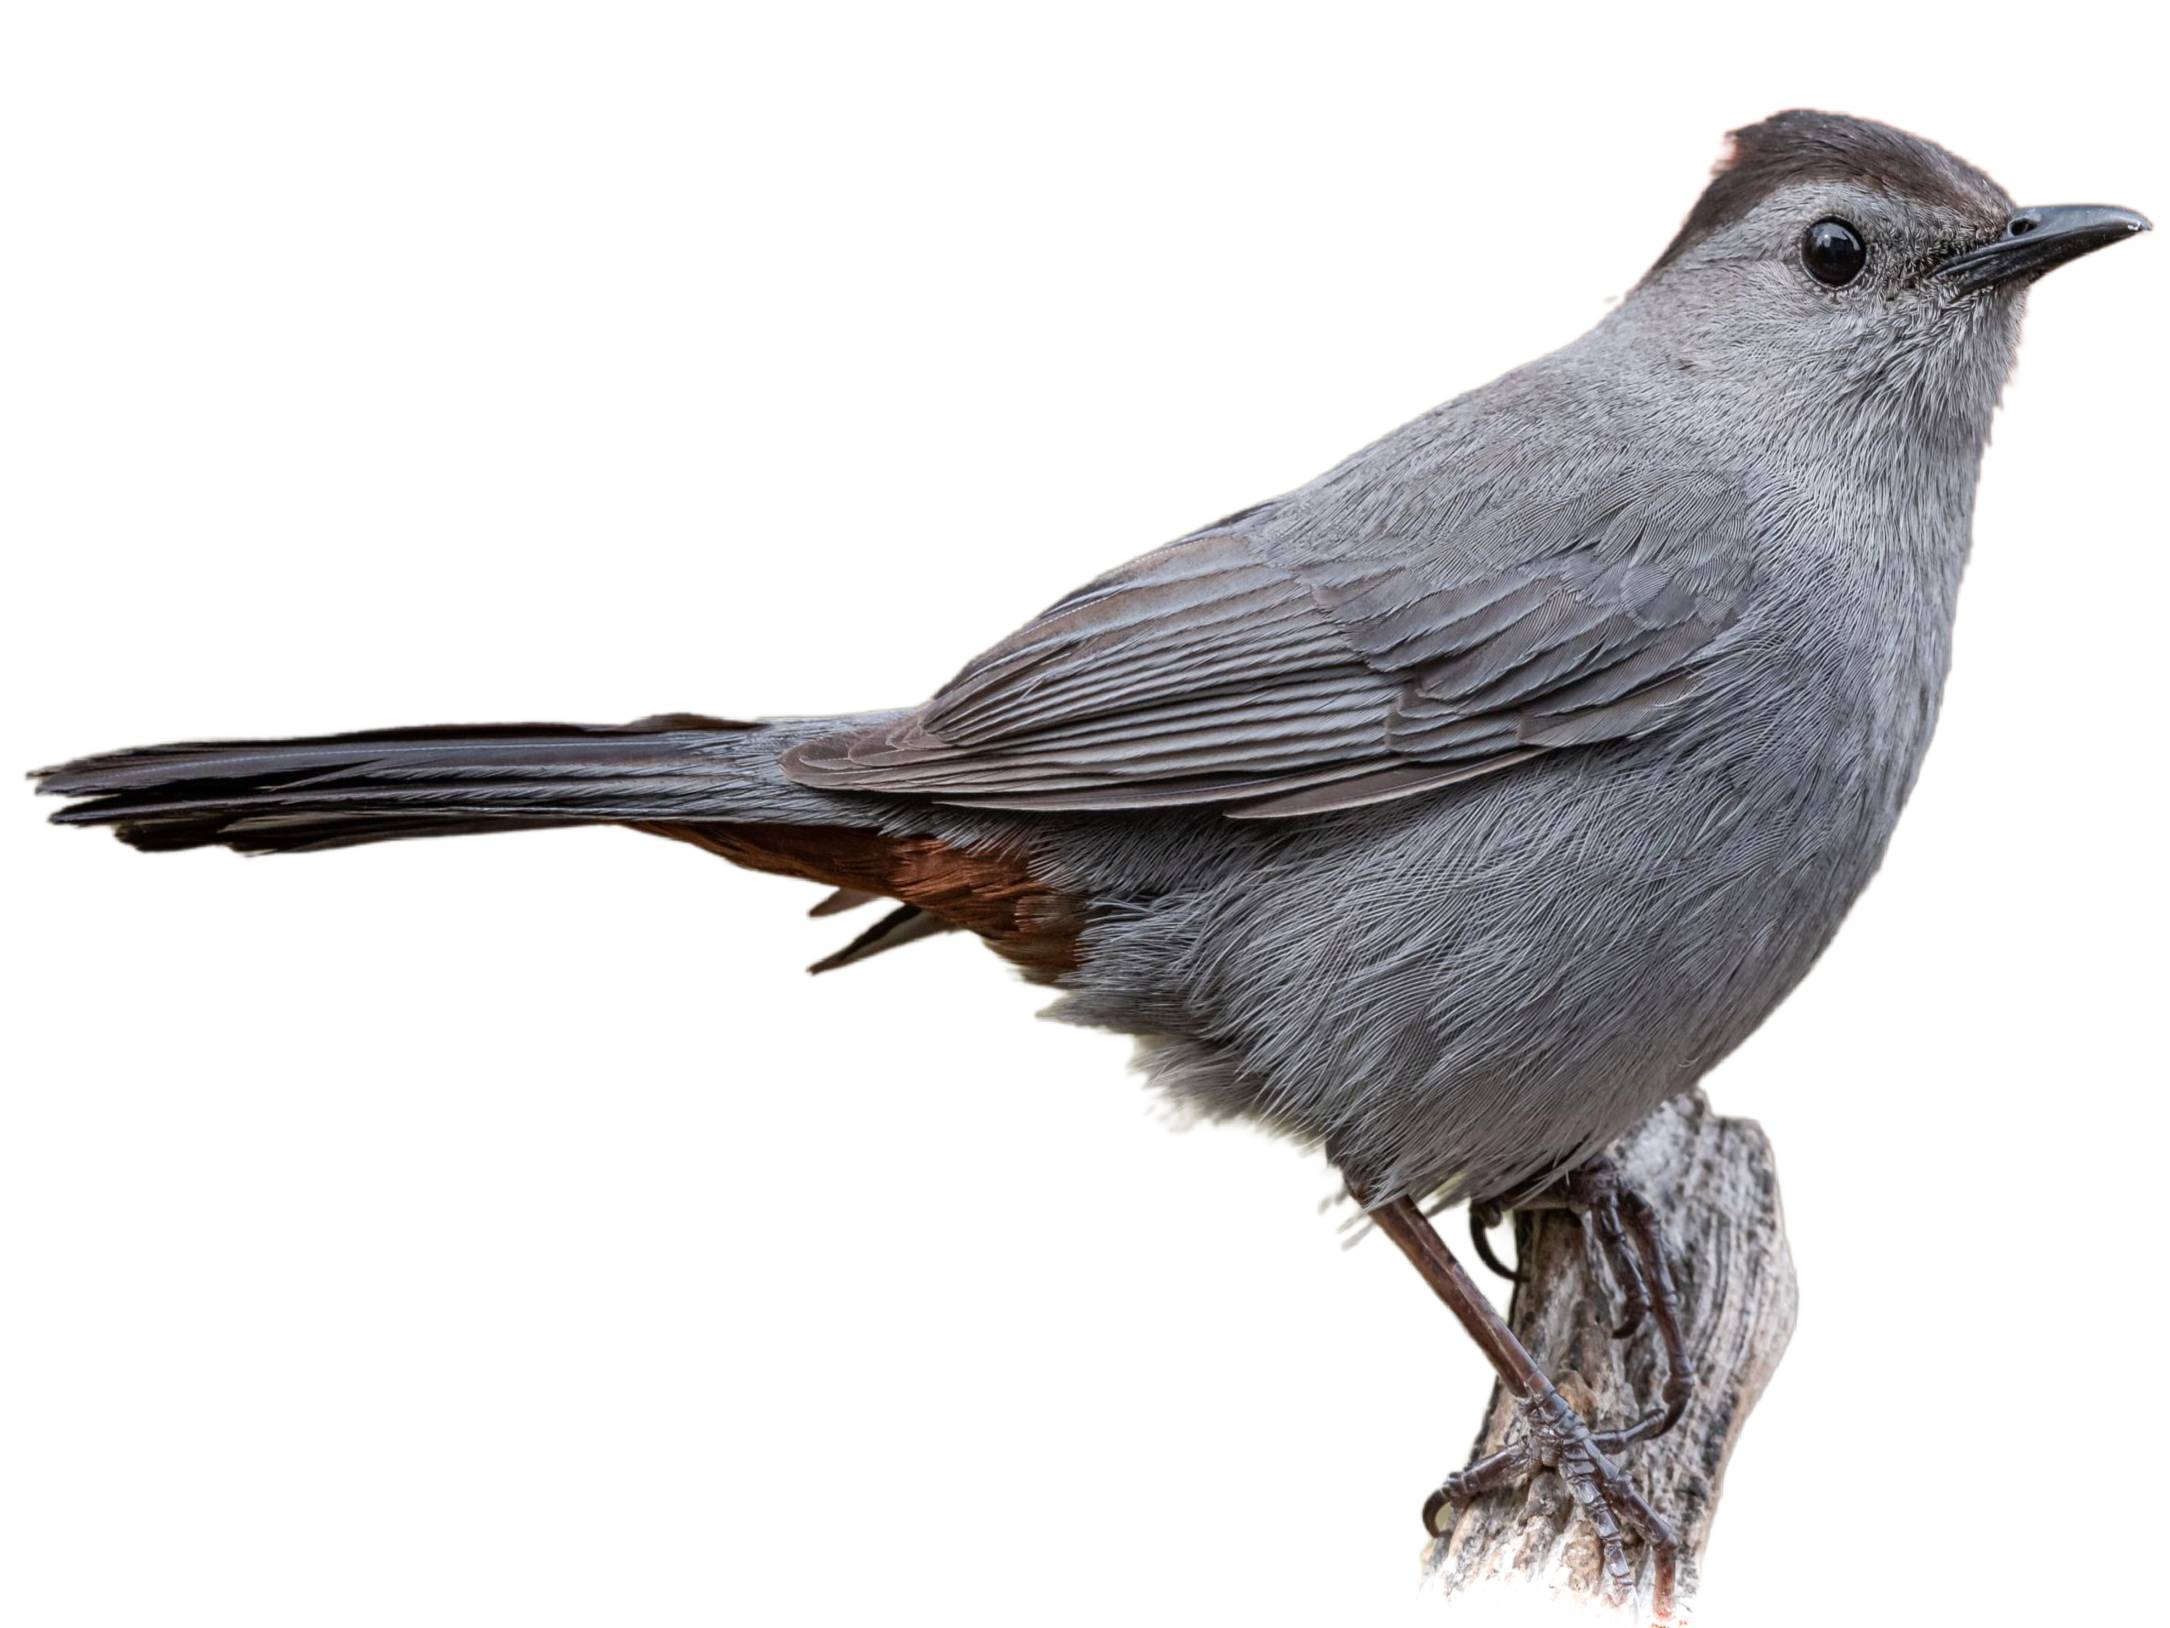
(1274, 677)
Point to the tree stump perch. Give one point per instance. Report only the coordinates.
(1714, 1184)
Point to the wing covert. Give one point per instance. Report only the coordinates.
(1243, 668)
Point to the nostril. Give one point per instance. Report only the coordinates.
(2023, 224)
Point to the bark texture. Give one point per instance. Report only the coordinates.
(1715, 1185)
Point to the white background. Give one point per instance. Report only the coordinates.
(508, 1233)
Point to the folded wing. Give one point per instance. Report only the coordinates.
(1247, 668)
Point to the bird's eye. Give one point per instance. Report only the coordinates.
(1833, 253)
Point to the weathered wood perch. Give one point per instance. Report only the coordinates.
(1714, 1183)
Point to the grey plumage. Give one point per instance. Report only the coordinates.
(1450, 811)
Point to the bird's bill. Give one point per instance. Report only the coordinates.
(2038, 240)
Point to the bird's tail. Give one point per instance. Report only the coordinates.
(332, 791)
(708, 781)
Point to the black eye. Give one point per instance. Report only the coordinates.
(1833, 253)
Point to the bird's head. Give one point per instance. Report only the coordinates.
(1867, 275)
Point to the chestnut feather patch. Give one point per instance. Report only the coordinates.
(991, 892)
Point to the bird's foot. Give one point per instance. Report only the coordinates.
(1555, 1437)
(1626, 1236)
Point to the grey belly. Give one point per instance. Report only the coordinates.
(1464, 991)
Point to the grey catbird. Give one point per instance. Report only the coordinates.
(1449, 812)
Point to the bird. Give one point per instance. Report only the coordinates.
(1448, 813)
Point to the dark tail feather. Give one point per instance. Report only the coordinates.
(907, 924)
(301, 833)
(333, 791)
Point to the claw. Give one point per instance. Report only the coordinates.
(1438, 1501)
(1483, 1217)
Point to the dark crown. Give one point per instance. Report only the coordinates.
(1788, 148)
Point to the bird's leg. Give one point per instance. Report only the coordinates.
(1625, 1229)
(1554, 1438)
